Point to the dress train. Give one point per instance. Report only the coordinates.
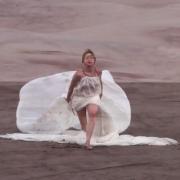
(44, 115)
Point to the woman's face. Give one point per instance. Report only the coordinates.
(89, 59)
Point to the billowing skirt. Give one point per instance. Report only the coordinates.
(43, 114)
(78, 102)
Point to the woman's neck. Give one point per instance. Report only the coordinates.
(89, 70)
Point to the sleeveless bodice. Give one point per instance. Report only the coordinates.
(88, 86)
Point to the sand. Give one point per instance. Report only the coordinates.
(138, 41)
(155, 112)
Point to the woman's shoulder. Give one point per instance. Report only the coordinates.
(78, 73)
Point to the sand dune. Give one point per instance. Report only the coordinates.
(139, 37)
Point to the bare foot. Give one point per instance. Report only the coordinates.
(88, 146)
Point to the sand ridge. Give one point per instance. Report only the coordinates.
(139, 39)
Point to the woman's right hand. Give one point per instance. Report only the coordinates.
(67, 99)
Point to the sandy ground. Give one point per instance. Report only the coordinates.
(155, 112)
(138, 41)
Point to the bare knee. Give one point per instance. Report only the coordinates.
(92, 110)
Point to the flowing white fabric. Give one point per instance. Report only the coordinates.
(87, 91)
(44, 115)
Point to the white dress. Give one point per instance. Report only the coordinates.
(44, 115)
(87, 91)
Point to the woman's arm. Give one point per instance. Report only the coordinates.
(76, 77)
(101, 84)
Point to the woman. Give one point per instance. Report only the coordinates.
(44, 112)
(86, 87)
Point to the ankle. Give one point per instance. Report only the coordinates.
(87, 142)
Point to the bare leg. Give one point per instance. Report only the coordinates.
(82, 118)
(92, 110)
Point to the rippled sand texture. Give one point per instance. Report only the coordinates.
(155, 112)
(136, 40)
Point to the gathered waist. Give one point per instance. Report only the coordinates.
(85, 95)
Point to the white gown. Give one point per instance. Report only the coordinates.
(87, 91)
(44, 115)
